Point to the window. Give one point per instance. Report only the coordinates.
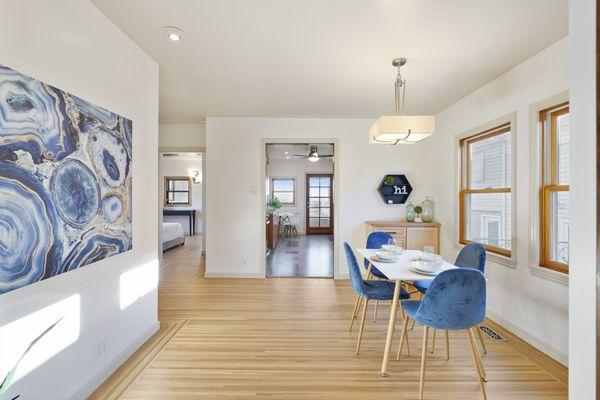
(554, 190)
(284, 190)
(485, 190)
(177, 191)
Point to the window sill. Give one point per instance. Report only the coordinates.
(497, 258)
(549, 274)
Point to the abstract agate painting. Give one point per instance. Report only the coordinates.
(65, 181)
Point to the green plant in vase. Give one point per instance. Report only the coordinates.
(418, 211)
(273, 204)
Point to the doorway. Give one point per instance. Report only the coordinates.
(181, 200)
(299, 197)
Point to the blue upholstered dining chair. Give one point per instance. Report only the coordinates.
(455, 300)
(368, 289)
(374, 241)
(472, 255)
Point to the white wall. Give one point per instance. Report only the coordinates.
(184, 165)
(533, 307)
(298, 169)
(73, 46)
(583, 281)
(233, 185)
(181, 135)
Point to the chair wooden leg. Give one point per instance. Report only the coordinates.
(423, 360)
(480, 367)
(375, 311)
(362, 325)
(475, 354)
(447, 346)
(433, 341)
(480, 335)
(403, 337)
(354, 312)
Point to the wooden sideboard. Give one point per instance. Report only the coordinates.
(409, 235)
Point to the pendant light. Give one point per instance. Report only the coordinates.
(399, 128)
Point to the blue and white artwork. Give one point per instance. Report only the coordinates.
(65, 181)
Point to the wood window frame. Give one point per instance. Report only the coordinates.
(167, 191)
(465, 189)
(293, 192)
(549, 182)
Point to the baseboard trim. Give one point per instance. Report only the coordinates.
(533, 340)
(233, 275)
(87, 389)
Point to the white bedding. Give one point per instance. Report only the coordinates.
(171, 230)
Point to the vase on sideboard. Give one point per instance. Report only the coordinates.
(410, 212)
(428, 210)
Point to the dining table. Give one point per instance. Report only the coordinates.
(398, 271)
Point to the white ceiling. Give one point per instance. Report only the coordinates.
(286, 151)
(330, 58)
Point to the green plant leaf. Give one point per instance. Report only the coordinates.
(9, 377)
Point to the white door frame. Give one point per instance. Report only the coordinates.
(263, 195)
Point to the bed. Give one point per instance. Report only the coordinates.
(172, 235)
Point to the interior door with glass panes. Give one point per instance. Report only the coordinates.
(319, 203)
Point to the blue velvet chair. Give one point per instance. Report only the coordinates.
(374, 241)
(472, 255)
(368, 289)
(455, 300)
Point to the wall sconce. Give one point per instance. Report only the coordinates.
(196, 177)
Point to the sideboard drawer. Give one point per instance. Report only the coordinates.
(409, 235)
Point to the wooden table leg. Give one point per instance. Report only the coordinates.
(391, 327)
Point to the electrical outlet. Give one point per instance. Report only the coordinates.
(100, 349)
(244, 262)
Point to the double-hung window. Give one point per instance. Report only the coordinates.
(554, 190)
(485, 209)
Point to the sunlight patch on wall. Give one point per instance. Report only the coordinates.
(17, 336)
(138, 282)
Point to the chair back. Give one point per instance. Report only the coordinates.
(455, 300)
(375, 240)
(354, 271)
(473, 255)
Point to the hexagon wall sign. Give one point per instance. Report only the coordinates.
(394, 189)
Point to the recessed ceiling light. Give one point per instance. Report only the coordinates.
(173, 33)
(286, 152)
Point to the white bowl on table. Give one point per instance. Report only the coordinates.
(392, 248)
(426, 267)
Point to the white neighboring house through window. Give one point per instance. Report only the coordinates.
(486, 192)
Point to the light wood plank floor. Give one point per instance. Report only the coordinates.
(287, 339)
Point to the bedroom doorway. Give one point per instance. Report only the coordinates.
(299, 193)
(181, 199)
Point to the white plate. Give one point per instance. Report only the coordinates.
(418, 271)
(385, 260)
(426, 267)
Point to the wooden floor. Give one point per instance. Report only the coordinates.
(303, 256)
(287, 339)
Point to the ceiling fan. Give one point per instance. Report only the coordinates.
(313, 155)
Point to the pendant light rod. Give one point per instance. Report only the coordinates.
(399, 86)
